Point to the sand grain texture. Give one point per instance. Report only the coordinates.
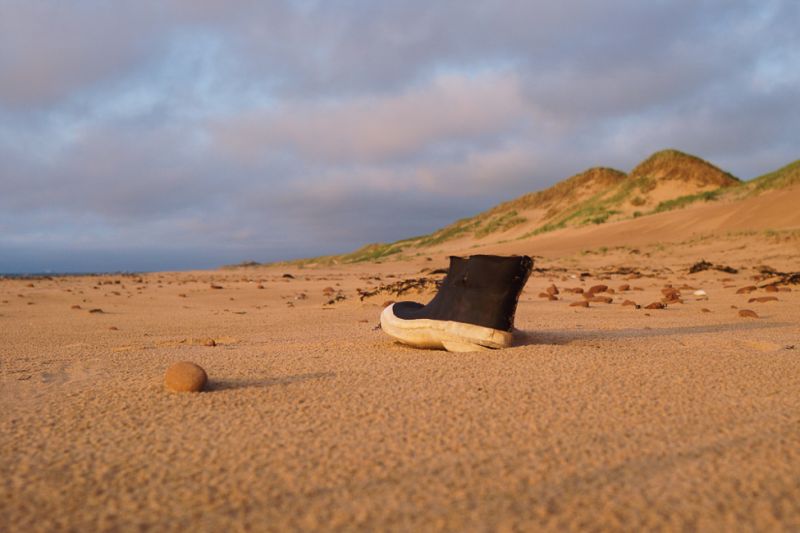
(605, 417)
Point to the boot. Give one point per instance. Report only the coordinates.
(473, 310)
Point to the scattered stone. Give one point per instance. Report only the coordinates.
(671, 293)
(624, 287)
(582, 303)
(747, 313)
(623, 271)
(746, 290)
(185, 376)
(96, 310)
(259, 286)
(630, 302)
(209, 342)
(705, 310)
(214, 286)
(552, 289)
(598, 288)
(327, 291)
(181, 295)
(76, 306)
(771, 288)
(288, 276)
(114, 328)
(655, 305)
(700, 292)
(763, 299)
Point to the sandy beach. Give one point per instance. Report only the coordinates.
(606, 417)
(220, 221)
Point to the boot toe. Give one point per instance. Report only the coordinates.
(402, 322)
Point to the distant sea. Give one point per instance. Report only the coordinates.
(26, 275)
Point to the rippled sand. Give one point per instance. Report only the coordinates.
(606, 417)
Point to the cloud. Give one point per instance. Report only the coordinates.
(448, 109)
(50, 50)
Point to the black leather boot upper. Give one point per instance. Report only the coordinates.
(481, 290)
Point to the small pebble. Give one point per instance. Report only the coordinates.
(747, 313)
(762, 299)
(655, 305)
(185, 376)
(582, 303)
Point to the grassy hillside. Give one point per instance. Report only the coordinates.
(665, 181)
(783, 177)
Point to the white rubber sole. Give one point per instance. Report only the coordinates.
(449, 335)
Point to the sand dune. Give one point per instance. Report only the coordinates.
(773, 211)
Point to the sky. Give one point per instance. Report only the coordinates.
(175, 134)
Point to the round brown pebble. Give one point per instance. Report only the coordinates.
(747, 313)
(185, 376)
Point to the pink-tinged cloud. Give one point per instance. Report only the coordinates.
(450, 108)
(50, 50)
